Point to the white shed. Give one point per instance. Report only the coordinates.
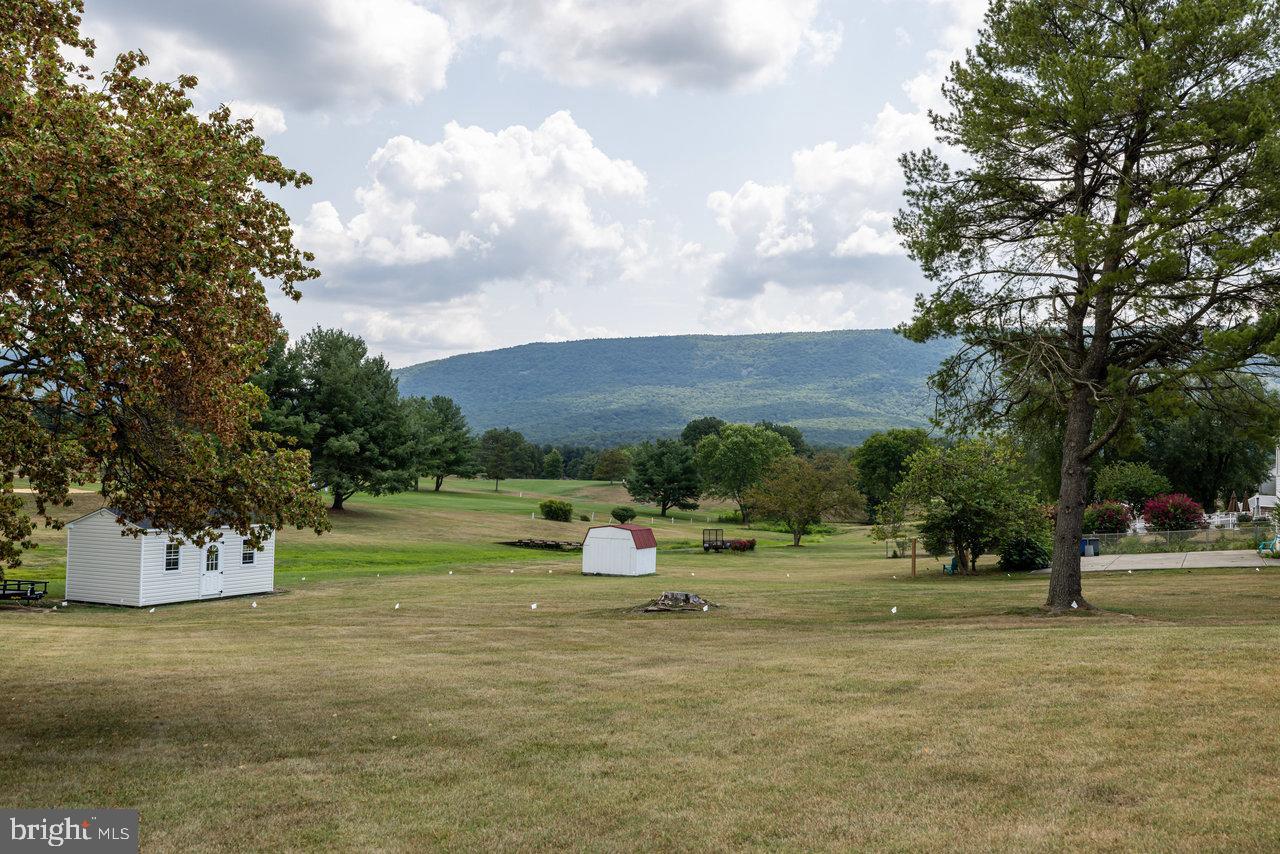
(619, 550)
(107, 564)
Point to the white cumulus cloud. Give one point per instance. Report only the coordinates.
(649, 45)
(830, 224)
(358, 55)
(267, 120)
(303, 54)
(439, 219)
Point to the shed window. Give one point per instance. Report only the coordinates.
(170, 557)
(247, 555)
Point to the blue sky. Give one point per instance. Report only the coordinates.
(494, 172)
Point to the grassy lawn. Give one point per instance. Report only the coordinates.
(800, 715)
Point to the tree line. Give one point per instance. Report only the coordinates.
(326, 394)
(995, 493)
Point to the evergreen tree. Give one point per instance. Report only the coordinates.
(664, 473)
(347, 411)
(443, 445)
(1114, 231)
(553, 465)
(500, 454)
(529, 460)
(583, 466)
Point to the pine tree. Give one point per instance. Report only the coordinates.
(1114, 230)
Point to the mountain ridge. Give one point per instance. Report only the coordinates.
(836, 386)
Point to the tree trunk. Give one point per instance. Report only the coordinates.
(1064, 578)
(338, 498)
(795, 537)
(439, 482)
(415, 484)
(495, 484)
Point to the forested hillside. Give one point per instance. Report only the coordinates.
(835, 386)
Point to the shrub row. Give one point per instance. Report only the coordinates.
(1176, 512)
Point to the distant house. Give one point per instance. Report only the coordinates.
(619, 550)
(1264, 502)
(1262, 505)
(107, 564)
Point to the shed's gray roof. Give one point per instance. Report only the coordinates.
(144, 523)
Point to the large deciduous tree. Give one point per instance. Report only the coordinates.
(1210, 450)
(1131, 483)
(970, 498)
(735, 459)
(700, 428)
(134, 241)
(1114, 230)
(793, 435)
(881, 462)
(612, 465)
(798, 492)
(664, 473)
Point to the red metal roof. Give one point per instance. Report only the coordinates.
(642, 537)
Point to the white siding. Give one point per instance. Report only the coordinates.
(103, 566)
(612, 551)
(102, 561)
(179, 585)
(646, 561)
(241, 578)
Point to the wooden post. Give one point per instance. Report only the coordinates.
(913, 557)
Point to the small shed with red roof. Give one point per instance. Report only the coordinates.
(619, 550)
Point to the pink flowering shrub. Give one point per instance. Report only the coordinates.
(1107, 517)
(1176, 512)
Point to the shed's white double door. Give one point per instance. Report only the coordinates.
(211, 572)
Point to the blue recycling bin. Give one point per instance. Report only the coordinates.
(1090, 546)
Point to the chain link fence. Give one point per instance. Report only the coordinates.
(1198, 540)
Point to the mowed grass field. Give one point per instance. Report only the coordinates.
(801, 715)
